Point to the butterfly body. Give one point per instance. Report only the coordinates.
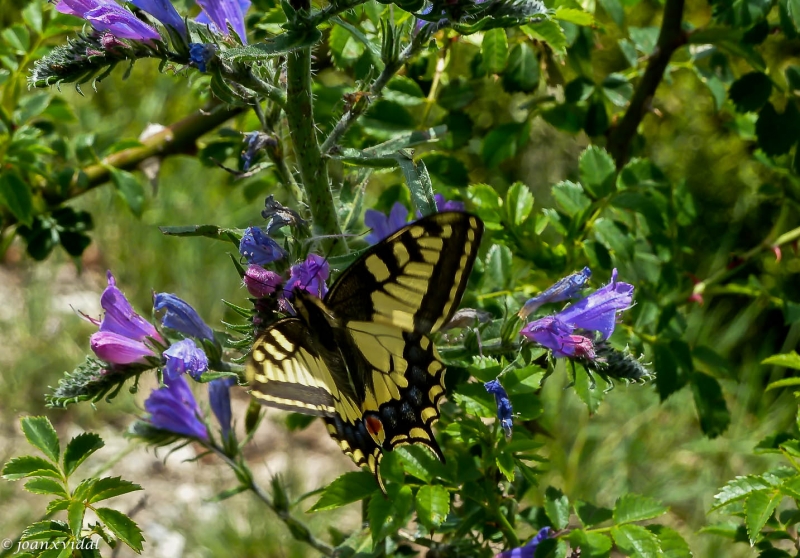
(362, 357)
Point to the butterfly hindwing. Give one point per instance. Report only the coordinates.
(363, 355)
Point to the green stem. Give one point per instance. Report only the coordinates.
(296, 527)
(275, 154)
(312, 165)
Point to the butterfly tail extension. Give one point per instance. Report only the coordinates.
(356, 443)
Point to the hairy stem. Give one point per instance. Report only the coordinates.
(309, 159)
(670, 38)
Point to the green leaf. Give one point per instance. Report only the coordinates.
(597, 171)
(636, 541)
(590, 515)
(269, 48)
(42, 485)
(108, 487)
(419, 184)
(41, 434)
(433, 505)
(505, 462)
(130, 189)
(495, 50)
(386, 515)
(789, 360)
(738, 489)
(711, 406)
(448, 169)
(592, 394)
(79, 448)
(550, 32)
(751, 91)
(758, 508)
(29, 466)
(420, 463)
(348, 488)
(777, 132)
(574, 15)
(498, 266)
(570, 198)
(671, 542)
(75, 512)
(45, 530)
(633, 507)
(618, 89)
(123, 527)
(592, 545)
(17, 197)
(556, 505)
(615, 11)
(791, 487)
(793, 7)
(522, 71)
(519, 203)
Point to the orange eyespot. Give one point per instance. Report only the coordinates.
(374, 425)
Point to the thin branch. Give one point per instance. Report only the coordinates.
(670, 38)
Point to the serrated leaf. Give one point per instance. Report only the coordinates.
(570, 197)
(791, 487)
(671, 542)
(45, 530)
(17, 197)
(433, 505)
(79, 448)
(130, 189)
(556, 505)
(597, 171)
(522, 70)
(420, 463)
(44, 485)
(592, 545)
(519, 203)
(574, 15)
(738, 489)
(29, 466)
(636, 541)
(348, 488)
(57, 505)
(41, 434)
(758, 508)
(711, 405)
(634, 507)
(590, 514)
(123, 527)
(495, 50)
(388, 514)
(108, 487)
(75, 513)
(505, 462)
(550, 32)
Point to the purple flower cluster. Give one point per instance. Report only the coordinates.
(563, 332)
(125, 339)
(108, 15)
(383, 225)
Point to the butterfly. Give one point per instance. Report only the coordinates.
(361, 357)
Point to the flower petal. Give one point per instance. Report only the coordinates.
(173, 408)
(119, 349)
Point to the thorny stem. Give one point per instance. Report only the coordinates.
(296, 527)
(375, 90)
(670, 38)
(307, 154)
(275, 154)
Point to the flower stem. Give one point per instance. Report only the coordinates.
(312, 165)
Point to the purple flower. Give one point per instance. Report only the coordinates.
(261, 282)
(219, 396)
(529, 550)
(200, 54)
(181, 317)
(123, 334)
(173, 408)
(564, 289)
(309, 276)
(445, 205)
(504, 409)
(118, 349)
(163, 11)
(383, 225)
(258, 248)
(596, 312)
(184, 357)
(222, 12)
(107, 15)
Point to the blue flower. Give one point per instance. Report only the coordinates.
(529, 550)
(181, 317)
(219, 396)
(504, 409)
(174, 409)
(596, 312)
(309, 276)
(444, 205)
(200, 54)
(163, 11)
(107, 15)
(564, 289)
(383, 225)
(261, 282)
(184, 357)
(222, 12)
(258, 248)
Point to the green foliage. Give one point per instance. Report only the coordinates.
(51, 477)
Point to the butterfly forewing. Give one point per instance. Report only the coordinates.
(362, 355)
